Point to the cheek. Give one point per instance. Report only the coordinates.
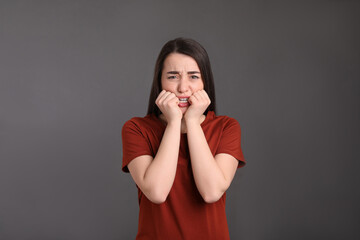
(165, 85)
(197, 86)
(200, 86)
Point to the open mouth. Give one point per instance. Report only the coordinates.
(183, 102)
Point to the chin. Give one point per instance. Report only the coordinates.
(183, 110)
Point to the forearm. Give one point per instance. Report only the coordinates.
(209, 178)
(160, 174)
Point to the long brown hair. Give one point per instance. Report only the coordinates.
(193, 49)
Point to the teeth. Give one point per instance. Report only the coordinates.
(183, 99)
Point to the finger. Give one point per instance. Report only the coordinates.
(203, 95)
(192, 99)
(160, 95)
(170, 98)
(162, 98)
(174, 100)
(197, 96)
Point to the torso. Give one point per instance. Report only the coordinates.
(184, 215)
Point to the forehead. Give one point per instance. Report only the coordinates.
(180, 62)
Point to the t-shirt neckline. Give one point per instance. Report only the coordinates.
(210, 115)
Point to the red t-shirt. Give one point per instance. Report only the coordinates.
(184, 214)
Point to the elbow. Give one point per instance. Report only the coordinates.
(157, 200)
(157, 197)
(213, 194)
(212, 197)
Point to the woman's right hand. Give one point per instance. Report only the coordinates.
(168, 105)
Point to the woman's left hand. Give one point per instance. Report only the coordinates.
(199, 102)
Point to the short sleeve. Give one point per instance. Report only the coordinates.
(230, 141)
(134, 143)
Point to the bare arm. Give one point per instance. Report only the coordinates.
(213, 176)
(155, 176)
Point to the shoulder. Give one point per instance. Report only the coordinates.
(138, 122)
(142, 124)
(222, 120)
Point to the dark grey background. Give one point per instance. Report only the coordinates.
(72, 72)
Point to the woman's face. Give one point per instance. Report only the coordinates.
(181, 76)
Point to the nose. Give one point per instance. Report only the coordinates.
(183, 84)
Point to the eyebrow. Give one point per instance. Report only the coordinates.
(176, 72)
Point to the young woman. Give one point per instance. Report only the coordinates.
(182, 156)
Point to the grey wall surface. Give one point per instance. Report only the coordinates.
(72, 72)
